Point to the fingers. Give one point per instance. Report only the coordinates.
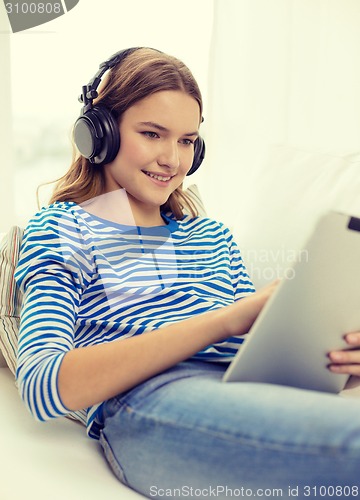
(275, 283)
(353, 339)
(347, 361)
(346, 369)
(270, 287)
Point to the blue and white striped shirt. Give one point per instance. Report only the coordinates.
(87, 281)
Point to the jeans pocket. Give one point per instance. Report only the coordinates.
(112, 460)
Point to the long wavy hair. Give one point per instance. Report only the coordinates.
(143, 72)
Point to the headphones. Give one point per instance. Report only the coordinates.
(96, 131)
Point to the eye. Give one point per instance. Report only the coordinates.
(187, 142)
(151, 135)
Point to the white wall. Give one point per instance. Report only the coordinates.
(7, 210)
(282, 72)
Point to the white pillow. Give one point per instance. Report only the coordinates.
(289, 191)
(10, 297)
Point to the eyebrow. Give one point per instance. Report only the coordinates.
(161, 128)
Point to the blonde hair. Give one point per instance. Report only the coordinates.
(140, 74)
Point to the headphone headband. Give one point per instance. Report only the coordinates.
(89, 91)
(96, 131)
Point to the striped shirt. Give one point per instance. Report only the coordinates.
(87, 281)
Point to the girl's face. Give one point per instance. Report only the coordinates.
(156, 152)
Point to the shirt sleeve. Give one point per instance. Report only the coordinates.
(242, 286)
(53, 270)
(241, 280)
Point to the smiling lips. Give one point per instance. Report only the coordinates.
(158, 177)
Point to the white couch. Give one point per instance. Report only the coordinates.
(52, 460)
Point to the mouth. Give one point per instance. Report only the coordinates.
(158, 177)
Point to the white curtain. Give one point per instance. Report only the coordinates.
(284, 73)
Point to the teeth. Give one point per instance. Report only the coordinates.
(158, 177)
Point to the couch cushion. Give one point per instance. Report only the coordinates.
(3, 363)
(281, 200)
(10, 296)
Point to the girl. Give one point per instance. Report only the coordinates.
(131, 308)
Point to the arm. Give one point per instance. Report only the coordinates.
(242, 286)
(93, 374)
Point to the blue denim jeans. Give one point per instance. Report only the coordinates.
(186, 433)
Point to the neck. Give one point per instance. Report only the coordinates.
(116, 206)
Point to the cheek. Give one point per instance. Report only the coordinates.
(187, 159)
(134, 151)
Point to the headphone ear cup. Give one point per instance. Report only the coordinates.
(97, 136)
(199, 155)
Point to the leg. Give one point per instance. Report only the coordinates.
(185, 428)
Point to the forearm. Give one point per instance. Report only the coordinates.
(93, 374)
(90, 375)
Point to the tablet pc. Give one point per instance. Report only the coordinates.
(308, 314)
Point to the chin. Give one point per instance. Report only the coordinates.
(154, 202)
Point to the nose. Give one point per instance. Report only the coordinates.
(169, 155)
